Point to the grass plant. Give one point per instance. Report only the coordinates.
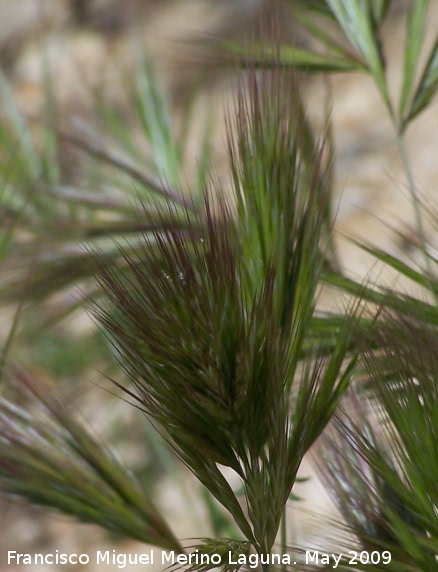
(209, 302)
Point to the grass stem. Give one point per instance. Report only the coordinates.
(401, 145)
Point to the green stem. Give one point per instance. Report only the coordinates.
(399, 126)
(414, 197)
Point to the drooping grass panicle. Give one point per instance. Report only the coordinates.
(382, 466)
(50, 459)
(211, 322)
(353, 484)
(177, 329)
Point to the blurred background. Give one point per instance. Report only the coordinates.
(74, 62)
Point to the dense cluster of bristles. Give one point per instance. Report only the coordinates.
(211, 319)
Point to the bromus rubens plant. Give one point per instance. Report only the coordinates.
(215, 318)
(209, 303)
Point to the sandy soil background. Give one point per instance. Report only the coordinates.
(86, 42)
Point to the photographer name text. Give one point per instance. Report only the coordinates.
(171, 558)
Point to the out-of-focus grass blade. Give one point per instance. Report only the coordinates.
(118, 130)
(397, 264)
(4, 352)
(414, 40)
(28, 168)
(50, 140)
(310, 61)
(204, 163)
(111, 157)
(153, 111)
(57, 269)
(99, 202)
(356, 18)
(5, 243)
(204, 147)
(427, 86)
(93, 199)
(380, 9)
(18, 123)
(318, 33)
(318, 7)
(324, 333)
(156, 144)
(286, 55)
(384, 298)
(21, 164)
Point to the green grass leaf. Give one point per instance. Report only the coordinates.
(291, 56)
(357, 19)
(380, 9)
(415, 19)
(427, 87)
